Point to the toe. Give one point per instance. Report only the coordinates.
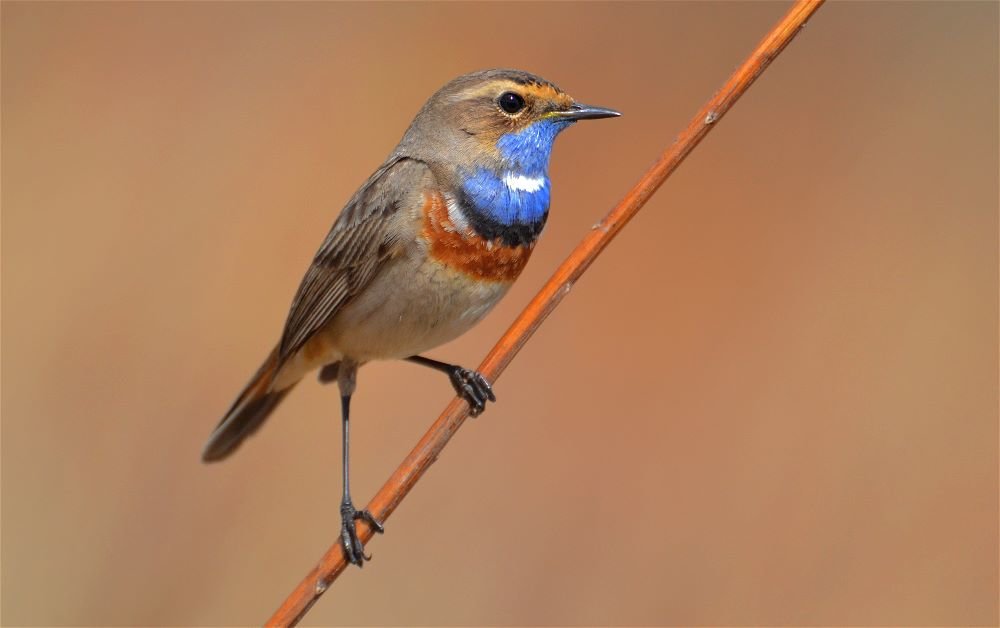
(473, 387)
(370, 519)
(482, 386)
(489, 392)
(349, 549)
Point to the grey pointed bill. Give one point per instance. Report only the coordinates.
(579, 111)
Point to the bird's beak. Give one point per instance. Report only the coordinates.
(579, 111)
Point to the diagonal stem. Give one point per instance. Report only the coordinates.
(319, 578)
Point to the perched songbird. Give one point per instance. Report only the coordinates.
(424, 249)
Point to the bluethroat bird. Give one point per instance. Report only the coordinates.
(422, 252)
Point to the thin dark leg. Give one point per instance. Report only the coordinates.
(348, 513)
(468, 384)
(345, 414)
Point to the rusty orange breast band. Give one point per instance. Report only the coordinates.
(462, 249)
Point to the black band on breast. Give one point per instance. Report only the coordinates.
(514, 234)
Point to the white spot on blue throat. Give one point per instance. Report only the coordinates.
(523, 183)
(510, 199)
(520, 193)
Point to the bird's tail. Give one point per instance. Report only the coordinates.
(248, 412)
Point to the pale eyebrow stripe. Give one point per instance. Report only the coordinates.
(494, 88)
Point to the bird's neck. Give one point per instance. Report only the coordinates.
(510, 199)
(509, 205)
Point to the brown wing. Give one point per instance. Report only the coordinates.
(357, 246)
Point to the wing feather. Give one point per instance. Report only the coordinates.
(354, 250)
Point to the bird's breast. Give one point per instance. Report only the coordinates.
(452, 242)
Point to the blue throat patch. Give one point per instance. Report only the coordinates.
(490, 194)
(525, 157)
(528, 151)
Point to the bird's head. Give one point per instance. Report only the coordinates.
(504, 120)
(487, 137)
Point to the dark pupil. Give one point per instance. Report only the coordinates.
(511, 102)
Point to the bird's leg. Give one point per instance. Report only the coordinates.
(470, 385)
(353, 547)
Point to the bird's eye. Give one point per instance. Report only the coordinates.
(510, 102)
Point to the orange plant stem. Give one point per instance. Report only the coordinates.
(298, 603)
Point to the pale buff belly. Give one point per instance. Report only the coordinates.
(408, 308)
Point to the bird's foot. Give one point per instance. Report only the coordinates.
(354, 549)
(473, 387)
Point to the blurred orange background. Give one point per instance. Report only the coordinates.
(772, 401)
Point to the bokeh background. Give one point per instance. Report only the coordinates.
(772, 401)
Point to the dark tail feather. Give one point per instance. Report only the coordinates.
(247, 414)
